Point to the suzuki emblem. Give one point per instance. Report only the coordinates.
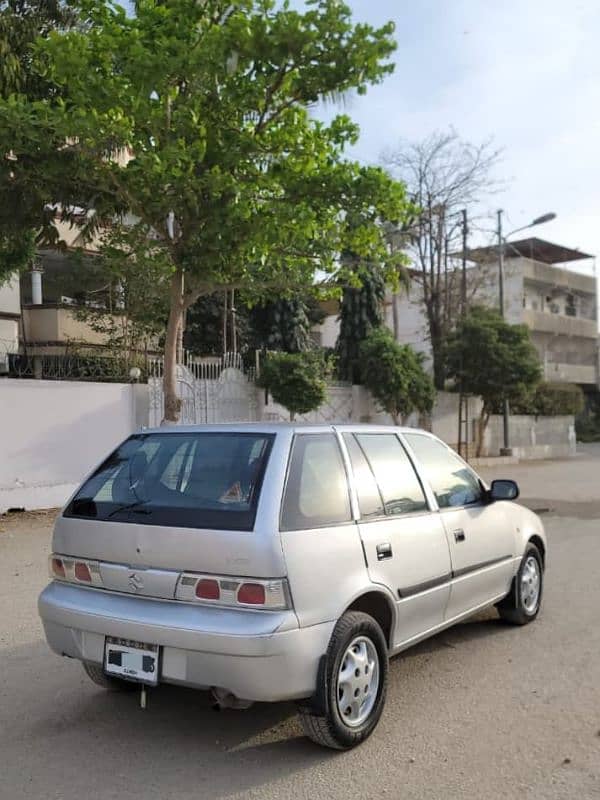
(135, 582)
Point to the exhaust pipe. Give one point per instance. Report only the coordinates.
(225, 699)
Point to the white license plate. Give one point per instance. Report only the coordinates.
(135, 661)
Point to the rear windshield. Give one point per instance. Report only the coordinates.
(193, 480)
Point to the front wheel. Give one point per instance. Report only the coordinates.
(352, 686)
(523, 603)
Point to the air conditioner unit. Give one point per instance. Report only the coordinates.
(68, 301)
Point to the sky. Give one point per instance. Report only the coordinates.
(525, 73)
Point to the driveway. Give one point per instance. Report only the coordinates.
(481, 711)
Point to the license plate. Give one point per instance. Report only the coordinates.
(134, 661)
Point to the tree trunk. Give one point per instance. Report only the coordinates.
(482, 423)
(172, 408)
(437, 344)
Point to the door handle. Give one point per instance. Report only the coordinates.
(384, 550)
(459, 535)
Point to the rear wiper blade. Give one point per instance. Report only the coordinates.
(130, 507)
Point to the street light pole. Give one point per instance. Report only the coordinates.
(506, 450)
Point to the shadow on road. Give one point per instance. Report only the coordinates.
(52, 712)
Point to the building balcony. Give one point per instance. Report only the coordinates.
(55, 326)
(557, 277)
(570, 373)
(560, 325)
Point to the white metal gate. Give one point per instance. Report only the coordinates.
(211, 391)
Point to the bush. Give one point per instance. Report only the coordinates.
(395, 376)
(296, 381)
(552, 400)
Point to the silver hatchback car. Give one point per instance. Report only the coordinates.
(282, 562)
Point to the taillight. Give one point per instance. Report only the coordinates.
(232, 592)
(208, 589)
(65, 568)
(82, 572)
(252, 594)
(57, 568)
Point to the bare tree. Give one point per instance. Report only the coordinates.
(443, 175)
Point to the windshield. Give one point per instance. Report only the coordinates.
(197, 480)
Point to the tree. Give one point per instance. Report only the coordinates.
(296, 381)
(281, 324)
(361, 311)
(549, 400)
(492, 359)
(122, 297)
(23, 209)
(394, 375)
(443, 175)
(195, 117)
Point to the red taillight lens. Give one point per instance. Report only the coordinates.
(58, 568)
(252, 593)
(82, 572)
(207, 589)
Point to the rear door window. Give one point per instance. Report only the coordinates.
(369, 497)
(316, 492)
(198, 480)
(398, 483)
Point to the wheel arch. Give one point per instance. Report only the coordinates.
(541, 546)
(378, 605)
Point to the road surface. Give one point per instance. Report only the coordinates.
(481, 711)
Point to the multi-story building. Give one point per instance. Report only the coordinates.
(556, 303)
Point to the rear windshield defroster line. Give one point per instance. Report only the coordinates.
(189, 480)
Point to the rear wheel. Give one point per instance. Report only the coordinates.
(352, 686)
(97, 674)
(523, 603)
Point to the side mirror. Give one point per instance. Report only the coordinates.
(504, 490)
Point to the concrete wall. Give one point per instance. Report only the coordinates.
(534, 437)
(53, 432)
(10, 302)
(10, 305)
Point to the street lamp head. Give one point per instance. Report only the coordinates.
(544, 218)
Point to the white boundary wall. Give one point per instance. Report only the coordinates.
(52, 433)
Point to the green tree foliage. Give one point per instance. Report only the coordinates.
(492, 359)
(282, 324)
(199, 114)
(123, 296)
(394, 375)
(550, 400)
(361, 311)
(297, 381)
(22, 207)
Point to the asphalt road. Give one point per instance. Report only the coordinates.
(480, 711)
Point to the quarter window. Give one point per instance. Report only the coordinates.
(453, 482)
(398, 483)
(316, 492)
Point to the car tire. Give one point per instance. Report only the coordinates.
(352, 685)
(99, 677)
(522, 604)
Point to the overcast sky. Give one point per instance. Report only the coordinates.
(525, 72)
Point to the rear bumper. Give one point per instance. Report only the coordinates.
(257, 655)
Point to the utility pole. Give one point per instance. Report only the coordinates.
(463, 399)
(465, 233)
(506, 450)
